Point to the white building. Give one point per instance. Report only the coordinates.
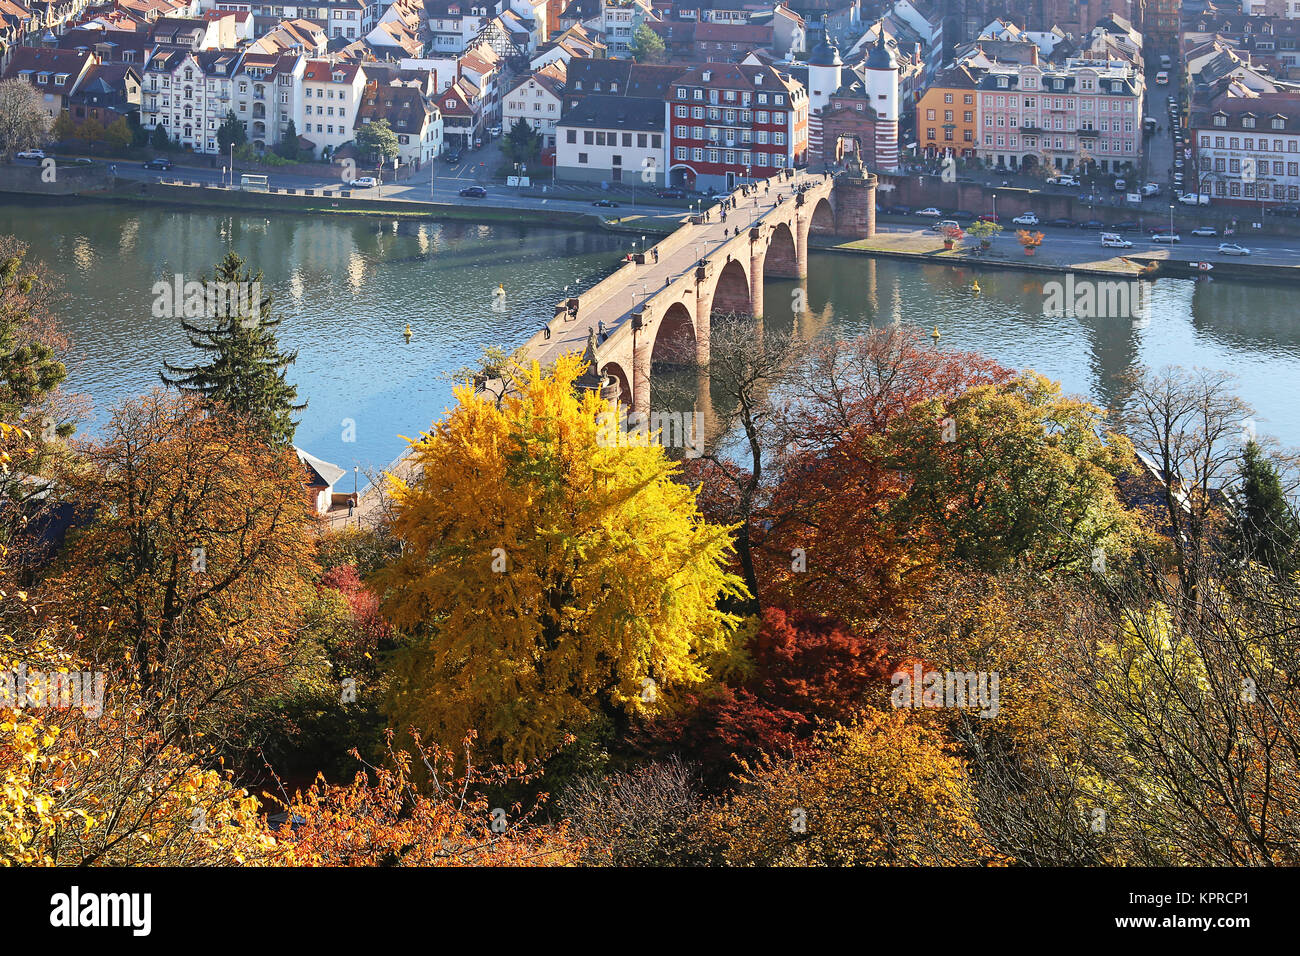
(327, 109)
(189, 94)
(613, 139)
(266, 93)
(537, 100)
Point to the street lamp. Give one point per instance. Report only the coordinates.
(1171, 219)
(995, 207)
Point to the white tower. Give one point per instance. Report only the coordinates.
(880, 72)
(824, 71)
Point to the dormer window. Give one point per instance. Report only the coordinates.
(1248, 122)
(1279, 123)
(1002, 82)
(60, 79)
(1220, 119)
(43, 78)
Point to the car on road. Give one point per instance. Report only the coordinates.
(606, 203)
(1205, 231)
(1124, 225)
(474, 192)
(452, 157)
(929, 211)
(963, 214)
(159, 162)
(1115, 241)
(1026, 219)
(1092, 224)
(943, 224)
(494, 131)
(32, 154)
(1063, 181)
(1232, 249)
(1150, 189)
(1120, 185)
(363, 182)
(1061, 223)
(671, 194)
(988, 217)
(1166, 237)
(898, 210)
(1193, 199)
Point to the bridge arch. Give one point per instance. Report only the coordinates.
(616, 371)
(681, 176)
(782, 257)
(674, 338)
(822, 221)
(731, 289)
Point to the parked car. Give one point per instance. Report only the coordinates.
(363, 182)
(474, 192)
(1061, 223)
(494, 131)
(963, 214)
(929, 211)
(1064, 181)
(1026, 219)
(1150, 189)
(1092, 224)
(32, 154)
(1121, 185)
(1123, 225)
(1284, 210)
(606, 203)
(1115, 241)
(988, 217)
(1232, 249)
(943, 224)
(1205, 231)
(1194, 199)
(159, 162)
(671, 194)
(1166, 237)
(898, 210)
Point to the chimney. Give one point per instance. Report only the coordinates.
(1033, 55)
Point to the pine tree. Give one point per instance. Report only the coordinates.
(247, 370)
(1265, 527)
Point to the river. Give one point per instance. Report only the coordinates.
(346, 288)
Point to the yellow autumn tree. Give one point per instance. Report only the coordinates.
(552, 570)
(884, 791)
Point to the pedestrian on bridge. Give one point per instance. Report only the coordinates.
(655, 252)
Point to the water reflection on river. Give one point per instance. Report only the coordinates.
(347, 287)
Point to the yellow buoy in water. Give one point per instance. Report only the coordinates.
(407, 333)
(975, 287)
(935, 336)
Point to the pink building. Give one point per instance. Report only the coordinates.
(1083, 111)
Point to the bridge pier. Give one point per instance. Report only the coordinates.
(756, 251)
(802, 228)
(642, 344)
(703, 313)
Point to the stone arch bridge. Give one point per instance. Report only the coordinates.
(659, 305)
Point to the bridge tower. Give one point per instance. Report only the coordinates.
(855, 200)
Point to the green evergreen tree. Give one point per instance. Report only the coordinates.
(247, 369)
(159, 139)
(231, 131)
(1265, 526)
(288, 145)
(647, 46)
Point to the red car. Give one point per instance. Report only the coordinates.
(988, 217)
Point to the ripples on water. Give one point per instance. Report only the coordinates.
(346, 288)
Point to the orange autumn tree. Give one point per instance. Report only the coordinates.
(828, 544)
(385, 818)
(884, 790)
(197, 560)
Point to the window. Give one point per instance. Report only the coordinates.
(679, 152)
(697, 154)
(682, 112)
(571, 136)
(617, 160)
(582, 158)
(588, 137)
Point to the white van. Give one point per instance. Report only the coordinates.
(1114, 240)
(1162, 78)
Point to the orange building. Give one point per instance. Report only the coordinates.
(947, 115)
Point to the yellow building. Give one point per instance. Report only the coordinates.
(947, 116)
